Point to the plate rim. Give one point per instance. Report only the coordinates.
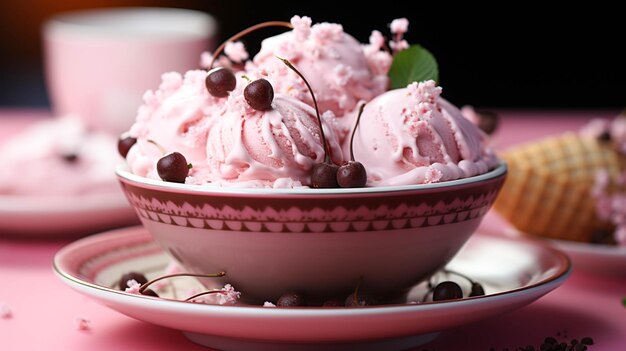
(570, 245)
(563, 272)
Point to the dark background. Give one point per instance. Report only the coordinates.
(508, 57)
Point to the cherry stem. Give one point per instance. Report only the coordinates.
(317, 111)
(190, 298)
(355, 297)
(157, 145)
(244, 32)
(356, 124)
(143, 287)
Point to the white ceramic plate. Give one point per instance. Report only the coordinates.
(513, 272)
(64, 216)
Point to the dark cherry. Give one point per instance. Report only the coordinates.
(603, 237)
(124, 144)
(477, 290)
(447, 291)
(220, 81)
(70, 157)
(259, 94)
(291, 299)
(136, 276)
(324, 175)
(333, 303)
(173, 168)
(360, 299)
(605, 136)
(149, 292)
(351, 174)
(586, 341)
(488, 121)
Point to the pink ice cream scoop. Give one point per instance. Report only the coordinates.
(274, 148)
(335, 64)
(413, 136)
(227, 142)
(175, 117)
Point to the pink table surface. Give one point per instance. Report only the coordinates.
(44, 309)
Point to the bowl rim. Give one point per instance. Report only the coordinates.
(125, 175)
(165, 23)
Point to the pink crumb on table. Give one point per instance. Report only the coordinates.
(82, 323)
(5, 311)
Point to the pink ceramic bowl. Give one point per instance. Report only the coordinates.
(321, 242)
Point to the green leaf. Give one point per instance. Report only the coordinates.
(624, 301)
(414, 64)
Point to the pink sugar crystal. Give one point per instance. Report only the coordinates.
(82, 324)
(301, 27)
(133, 287)
(5, 311)
(399, 26)
(236, 51)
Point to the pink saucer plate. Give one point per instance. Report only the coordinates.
(514, 273)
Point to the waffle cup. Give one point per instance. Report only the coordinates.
(548, 190)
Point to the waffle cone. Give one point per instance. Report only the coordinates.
(548, 187)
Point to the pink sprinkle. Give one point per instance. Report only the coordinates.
(229, 295)
(610, 206)
(399, 26)
(377, 41)
(342, 74)
(5, 311)
(133, 287)
(398, 45)
(595, 127)
(620, 235)
(324, 32)
(433, 175)
(171, 81)
(377, 60)
(301, 27)
(205, 59)
(268, 304)
(426, 91)
(82, 323)
(236, 51)
(618, 133)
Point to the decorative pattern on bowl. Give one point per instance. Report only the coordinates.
(315, 214)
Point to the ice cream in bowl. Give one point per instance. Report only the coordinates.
(239, 170)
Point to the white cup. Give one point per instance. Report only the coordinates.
(99, 62)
